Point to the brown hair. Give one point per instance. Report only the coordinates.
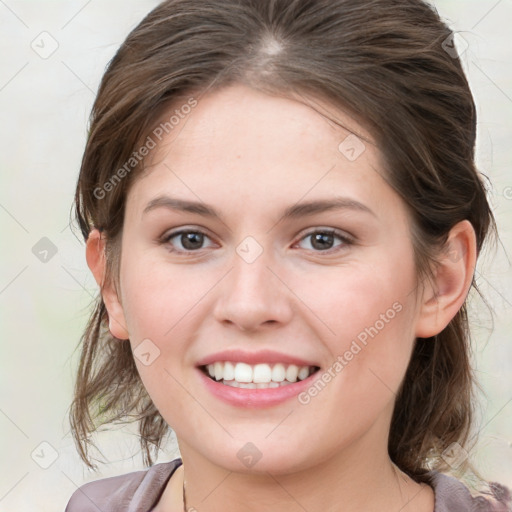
(385, 61)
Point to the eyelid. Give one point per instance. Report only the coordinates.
(325, 229)
(347, 238)
(184, 229)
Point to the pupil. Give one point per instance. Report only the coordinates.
(194, 240)
(321, 237)
(188, 239)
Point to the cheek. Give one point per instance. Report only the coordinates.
(363, 314)
(162, 303)
(159, 296)
(372, 317)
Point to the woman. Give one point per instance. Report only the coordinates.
(283, 214)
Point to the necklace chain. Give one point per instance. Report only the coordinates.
(185, 498)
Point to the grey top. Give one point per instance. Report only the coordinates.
(140, 491)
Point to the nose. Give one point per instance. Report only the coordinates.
(253, 296)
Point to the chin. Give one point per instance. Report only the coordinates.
(260, 458)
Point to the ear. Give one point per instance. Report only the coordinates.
(442, 299)
(95, 256)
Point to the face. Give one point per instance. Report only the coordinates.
(253, 277)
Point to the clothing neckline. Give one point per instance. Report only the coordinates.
(450, 494)
(165, 470)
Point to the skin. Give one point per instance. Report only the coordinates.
(250, 155)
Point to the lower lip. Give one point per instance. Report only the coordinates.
(255, 398)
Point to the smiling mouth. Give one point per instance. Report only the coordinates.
(257, 376)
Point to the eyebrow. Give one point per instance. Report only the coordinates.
(298, 210)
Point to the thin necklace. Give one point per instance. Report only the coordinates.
(395, 468)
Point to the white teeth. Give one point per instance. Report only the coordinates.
(218, 370)
(303, 373)
(247, 385)
(292, 373)
(262, 373)
(278, 372)
(257, 376)
(243, 372)
(229, 371)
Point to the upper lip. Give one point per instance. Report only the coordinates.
(261, 356)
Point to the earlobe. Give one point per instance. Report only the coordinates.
(453, 277)
(95, 256)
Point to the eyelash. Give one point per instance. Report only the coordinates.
(347, 240)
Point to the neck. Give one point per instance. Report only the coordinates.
(375, 486)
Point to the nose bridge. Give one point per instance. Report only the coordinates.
(252, 294)
(251, 274)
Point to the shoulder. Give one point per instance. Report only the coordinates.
(131, 491)
(451, 495)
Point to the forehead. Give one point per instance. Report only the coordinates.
(253, 119)
(243, 143)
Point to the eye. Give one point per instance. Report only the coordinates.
(322, 239)
(190, 240)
